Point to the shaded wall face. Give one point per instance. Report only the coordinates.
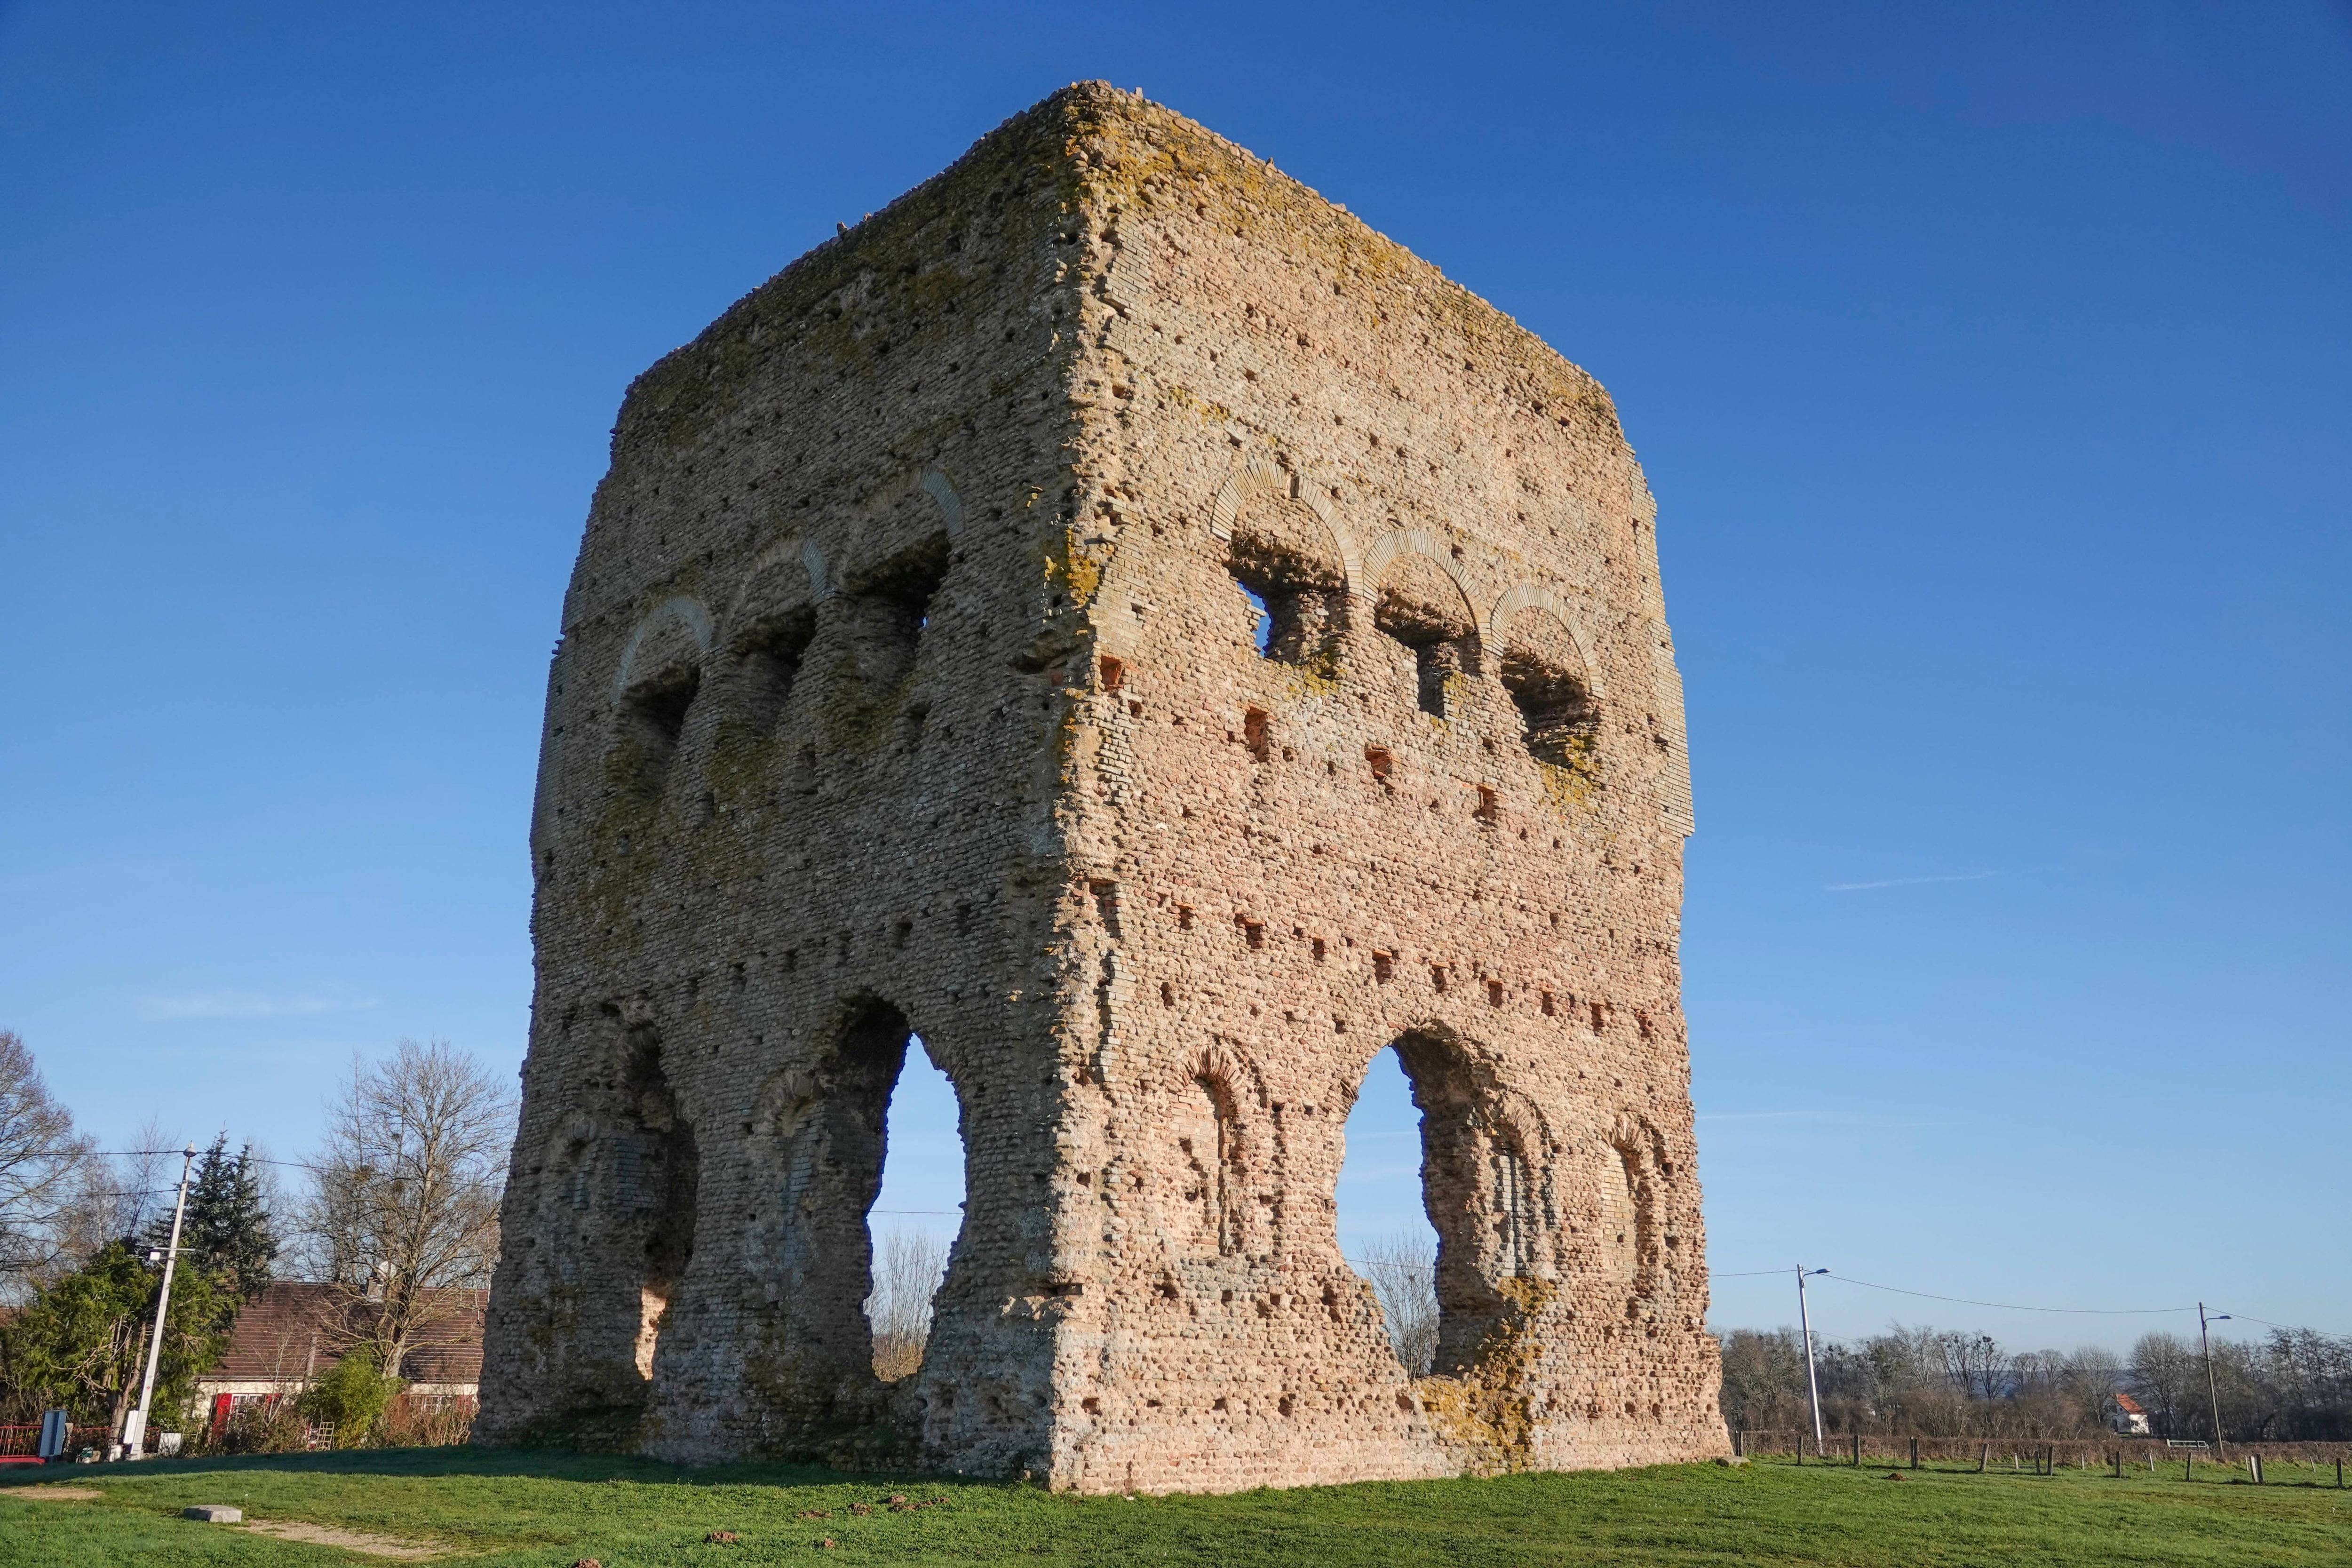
(796, 800)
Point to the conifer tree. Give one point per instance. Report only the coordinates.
(227, 1232)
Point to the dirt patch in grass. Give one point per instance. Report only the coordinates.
(349, 1540)
(60, 1494)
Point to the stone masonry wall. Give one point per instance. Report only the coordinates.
(911, 680)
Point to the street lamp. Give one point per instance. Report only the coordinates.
(1813, 1383)
(2211, 1392)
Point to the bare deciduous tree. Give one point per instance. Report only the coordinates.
(404, 1200)
(1402, 1272)
(906, 1270)
(49, 1176)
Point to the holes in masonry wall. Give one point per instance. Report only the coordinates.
(1106, 898)
(1383, 760)
(1256, 734)
(1114, 673)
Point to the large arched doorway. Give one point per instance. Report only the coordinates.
(916, 1214)
(1383, 1226)
(1483, 1210)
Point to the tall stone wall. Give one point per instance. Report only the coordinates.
(913, 679)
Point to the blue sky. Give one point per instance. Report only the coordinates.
(1991, 364)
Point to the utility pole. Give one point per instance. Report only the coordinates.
(1813, 1383)
(135, 1430)
(2211, 1391)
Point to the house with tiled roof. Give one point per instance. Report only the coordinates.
(2127, 1417)
(295, 1332)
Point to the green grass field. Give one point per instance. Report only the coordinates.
(504, 1507)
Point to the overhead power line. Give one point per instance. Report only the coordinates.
(2013, 1307)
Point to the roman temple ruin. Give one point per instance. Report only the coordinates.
(1115, 615)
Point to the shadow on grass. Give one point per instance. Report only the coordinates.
(463, 1460)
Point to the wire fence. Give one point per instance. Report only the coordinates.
(2114, 1453)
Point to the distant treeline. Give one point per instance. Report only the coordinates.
(2293, 1387)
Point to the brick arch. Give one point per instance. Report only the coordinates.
(811, 562)
(1437, 657)
(936, 485)
(1534, 596)
(1421, 541)
(683, 608)
(1261, 475)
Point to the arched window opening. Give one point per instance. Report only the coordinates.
(1282, 558)
(768, 661)
(916, 1212)
(887, 608)
(1539, 669)
(1383, 1229)
(652, 719)
(1421, 609)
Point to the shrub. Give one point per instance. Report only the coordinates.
(351, 1398)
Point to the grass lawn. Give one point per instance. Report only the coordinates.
(503, 1507)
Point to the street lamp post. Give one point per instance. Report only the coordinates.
(134, 1429)
(1812, 1382)
(2212, 1394)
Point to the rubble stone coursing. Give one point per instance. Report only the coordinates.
(908, 682)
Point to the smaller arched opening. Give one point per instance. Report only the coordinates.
(1203, 1161)
(887, 608)
(1282, 557)
(1421, 610)
(620, 1183)
(1543, 671)
(651, 721)
(768, 655)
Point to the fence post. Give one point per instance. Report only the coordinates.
(1982, 1450)
(1857, 1450)
(1915, 1453)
